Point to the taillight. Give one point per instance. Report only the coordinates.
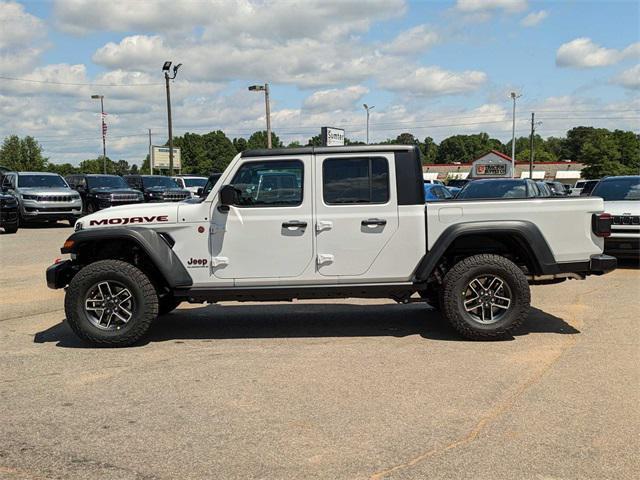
(601, 224)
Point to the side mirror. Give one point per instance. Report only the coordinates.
(200, 191)
(228, 196)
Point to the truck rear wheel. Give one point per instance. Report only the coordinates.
(485, 297)
(111, 303)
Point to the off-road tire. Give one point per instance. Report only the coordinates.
(167, 304)
(143, 291)
(455, 283)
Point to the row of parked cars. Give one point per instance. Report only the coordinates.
(48, 197)
(621, 200)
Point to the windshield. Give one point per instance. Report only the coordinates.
(195, 182)
(213, 179)
(457, 183)
(49, 181)
(159, 181)
(106, 181)
(618, 189)
(494, 189)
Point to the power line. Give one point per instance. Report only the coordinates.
(71, 84)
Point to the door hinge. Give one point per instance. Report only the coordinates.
(219, 261)
(217, 228)
(323, 225)
(324, 259)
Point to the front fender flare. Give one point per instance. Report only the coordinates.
(156, 248)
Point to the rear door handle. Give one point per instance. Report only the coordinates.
(373, 222)
(294, 224)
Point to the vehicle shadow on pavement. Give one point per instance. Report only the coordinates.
(305, 321)
(629, 263)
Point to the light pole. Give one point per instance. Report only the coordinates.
(104, 132)
(367, 108)
(514, 96)
(265, 88)
(167, 77)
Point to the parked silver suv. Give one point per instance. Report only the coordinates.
(43, 196)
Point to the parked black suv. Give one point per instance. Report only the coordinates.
(157, 188)
(8, 212)
(103, 191)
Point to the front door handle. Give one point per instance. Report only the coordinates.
(294, 224)
(374, 222)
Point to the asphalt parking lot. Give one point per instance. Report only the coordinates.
(347, 390)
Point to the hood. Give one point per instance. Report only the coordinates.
(161, 189)
(135, 215)
(112, 190)
(46, 190)
(630, 207)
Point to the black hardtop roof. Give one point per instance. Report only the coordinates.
(328, 150)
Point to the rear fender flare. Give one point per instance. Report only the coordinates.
(527, 233)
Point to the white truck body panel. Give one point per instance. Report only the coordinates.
(554, 217)
(249, 247)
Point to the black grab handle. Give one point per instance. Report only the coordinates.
(373, 221)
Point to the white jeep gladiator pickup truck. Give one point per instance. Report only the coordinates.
(325, 222)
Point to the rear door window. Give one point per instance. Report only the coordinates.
(355, 180)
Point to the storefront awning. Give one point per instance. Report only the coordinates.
(567, 174)
(430, 175)
(537, 175)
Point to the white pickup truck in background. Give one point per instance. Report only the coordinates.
(326, 222)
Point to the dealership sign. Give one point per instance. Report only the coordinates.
(332, 137)
(160, 157)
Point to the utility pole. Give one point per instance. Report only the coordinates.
(367, 108)
(104, 132)
(533, 129)
(514, 96)
(531, 149)
(265, 88)
(150, 148)
(167, 77)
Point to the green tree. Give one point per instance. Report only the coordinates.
(466, 148)
(429, 150)
(601, 154)
(240, 144)
(406, 139)
(219, 152)
(22, 154)
(315, 141)
(294, 144)
(62, 168)
(259, 140)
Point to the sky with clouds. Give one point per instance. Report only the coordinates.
(431, 68)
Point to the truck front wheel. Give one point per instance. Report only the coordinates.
(111, 303)
(485, 297)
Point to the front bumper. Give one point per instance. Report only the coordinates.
(9, 216)
(60, 274)
(31, 209)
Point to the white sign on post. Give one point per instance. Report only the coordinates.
(332, 137)
(160, 158)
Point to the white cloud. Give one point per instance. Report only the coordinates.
(473, 6)
(434, 81)
(584, 53)
(139, 52)
(226, 18)
(534, 18)
(629, 78)
(334, 99)
(415, 40)
(18, 26)
(20, 38)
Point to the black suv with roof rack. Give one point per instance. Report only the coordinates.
(157, 188)
(103, 191)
